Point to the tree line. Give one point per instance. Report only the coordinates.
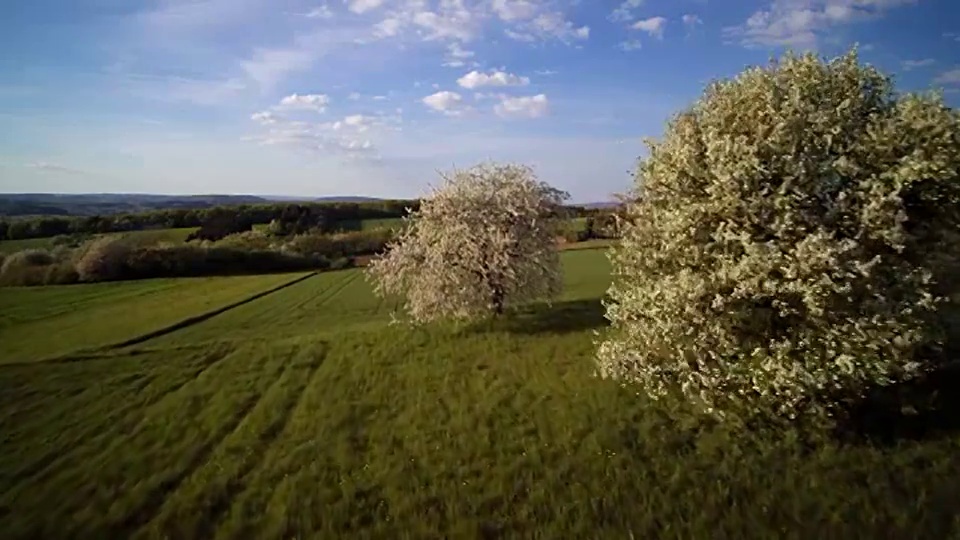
(324, 217)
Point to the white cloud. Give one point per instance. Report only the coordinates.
(451, 19)
(264, 117)
(449, 103)
(631, 45)
(456, 55)
(522, 107)
(353, 137)
(908, 65)
(321, 12)
(653, 26)
(550, 25)
(454, 50)
(362, 6)
(387, 28)
(269, 66)
(950, 77)
(955, 36)
(360, 122)
(306, 102)
(513, 10)
(476, 79)
(546, 72)
(53, 167)
(354, 96)
(625, 11)
(800, 23)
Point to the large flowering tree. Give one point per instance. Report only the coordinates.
(481, 242)
(793, 236)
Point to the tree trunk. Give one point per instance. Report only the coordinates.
(496, 298)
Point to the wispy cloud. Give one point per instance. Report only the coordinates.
(654, 26)
(46, 166)
(523, 107)
(476, 79)
(320, 12)
(948, 78)
(800, 23)
(446, 102)
(625, 11)
(909, 65)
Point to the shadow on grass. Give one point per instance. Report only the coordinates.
(559, 318)
(924, 409)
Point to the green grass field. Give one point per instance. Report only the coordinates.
(13, 246)
(38, 323)
(305, 414)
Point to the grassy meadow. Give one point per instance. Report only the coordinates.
(304, 413)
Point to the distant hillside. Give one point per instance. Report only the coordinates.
(88, 204)
(608, 204)
(334, 199)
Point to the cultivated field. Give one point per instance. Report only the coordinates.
(304, 414)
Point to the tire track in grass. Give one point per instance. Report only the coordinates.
(155, 500)
(248, 511)
(195, 510)
(118, 484)
(190, 321)
(317, 294)
(86, 354)
(351, 277)
(109, 421)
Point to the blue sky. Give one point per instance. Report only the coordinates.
(372, 97)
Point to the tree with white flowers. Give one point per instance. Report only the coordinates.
(794, 237)
(481, 242)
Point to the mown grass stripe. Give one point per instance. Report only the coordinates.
(81, 355)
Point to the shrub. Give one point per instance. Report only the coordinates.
(25, 267)
(184, 260)
(788, 242)
(255, 240)
(103, 259)
(340, 245)
(34, 267)
(480, 243)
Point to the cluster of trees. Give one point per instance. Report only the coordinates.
(125, 257)
(219, 221)
(325, 215)
(792, 242)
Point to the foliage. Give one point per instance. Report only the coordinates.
(29, 257)
(257, 240)
(299, 219)
(330, 214)
(481, 242)
(348, 244)
(181, 260)
(32, 267)
(103, 258)
(602, 225)
(787, 242)
(219, 223)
